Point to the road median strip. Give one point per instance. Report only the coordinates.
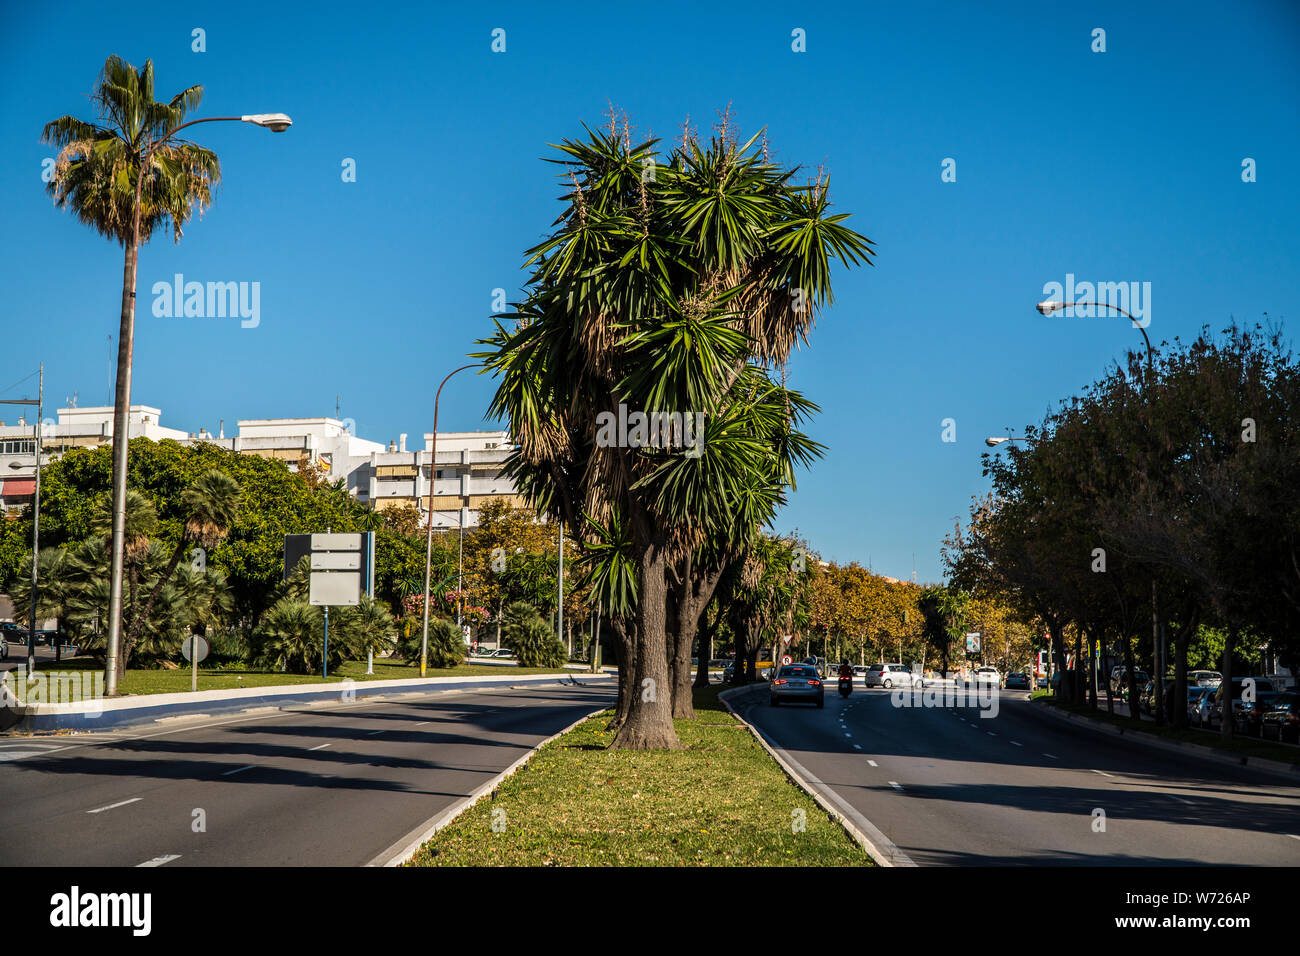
(718, 801)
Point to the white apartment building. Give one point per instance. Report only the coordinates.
(467, 472)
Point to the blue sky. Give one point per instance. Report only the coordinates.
(1116, 166)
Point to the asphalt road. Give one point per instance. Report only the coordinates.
(311, 786)
(949, 787)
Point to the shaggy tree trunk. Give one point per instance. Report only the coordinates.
(705, 656)
(623, 649)
(649, 723)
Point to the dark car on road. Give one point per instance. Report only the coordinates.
(1281, 718)
(798, 683)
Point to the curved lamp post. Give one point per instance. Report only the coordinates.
(428, 546)
(277, 123)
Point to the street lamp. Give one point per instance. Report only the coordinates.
(428, 547)
(276, 122)
(36, 513)
(1047, 308)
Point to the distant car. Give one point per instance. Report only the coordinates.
(1119, 681)
(798, 682)
(1017, 680)
(890, 675)
(1281, 719)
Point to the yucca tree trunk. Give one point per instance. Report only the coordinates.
(649, 723)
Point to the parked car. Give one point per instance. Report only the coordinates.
(1240, 718)
(1281, 719)
(798, 682)
(1017, 680)
(1199, 702)
(890, 675)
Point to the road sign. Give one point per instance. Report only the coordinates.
(188, 648)
(341, 566)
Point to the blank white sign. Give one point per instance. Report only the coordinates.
(336, 542)
(335, 589)
(336, 561)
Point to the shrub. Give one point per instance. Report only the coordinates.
(532, 640)
(446, 643)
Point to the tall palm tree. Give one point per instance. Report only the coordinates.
(125, 177)
(665, 293)
(210, 505)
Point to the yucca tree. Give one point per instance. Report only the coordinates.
(665, 287)
(211, 505)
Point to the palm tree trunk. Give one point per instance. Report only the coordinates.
(649, 724)
(138, 619)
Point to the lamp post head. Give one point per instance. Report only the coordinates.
(275, 122)
(1048, 307)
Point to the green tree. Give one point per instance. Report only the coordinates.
(658, 294)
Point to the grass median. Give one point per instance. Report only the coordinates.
(226, 678)
(719, 801)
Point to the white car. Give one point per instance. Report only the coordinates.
(890, 675)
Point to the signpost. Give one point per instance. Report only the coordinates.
(194, 649)
(342, 568)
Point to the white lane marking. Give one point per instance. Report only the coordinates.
(1053, 756)
(1016, 743)
(1104, 773)
(318, 747)
(114, 806)
(896, 785)
(873, 763)
(159, 860)
(227, 773)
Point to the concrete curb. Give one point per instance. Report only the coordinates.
(1286, 771)
(117, 713)
(404, 849)
(878, 846)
